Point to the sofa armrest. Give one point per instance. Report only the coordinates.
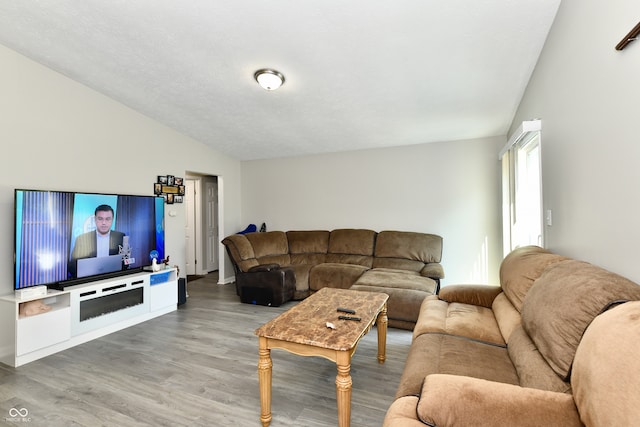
(402, 413)
(480, 295)
(452, 400)
(260, 276)
(264, 267)
(433, 270)
(280, 281)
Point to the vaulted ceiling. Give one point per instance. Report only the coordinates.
(359, 74)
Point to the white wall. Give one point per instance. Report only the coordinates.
(451, 189)
(59, 135)
(587, 95)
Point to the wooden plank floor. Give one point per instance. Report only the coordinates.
(197, 367)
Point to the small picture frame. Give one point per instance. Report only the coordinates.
(181, 190)
(177, 199)
(157, 189)
(170, 179)
(178, 181)
(162, 179)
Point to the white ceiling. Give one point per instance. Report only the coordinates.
(359, 74)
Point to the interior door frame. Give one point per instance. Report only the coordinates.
(193, 246)
(198, 221)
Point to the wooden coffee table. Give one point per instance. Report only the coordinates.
(303, 330)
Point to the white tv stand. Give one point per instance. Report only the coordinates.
(82, 313)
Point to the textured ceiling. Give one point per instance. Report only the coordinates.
(359, 74)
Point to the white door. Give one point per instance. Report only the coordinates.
(211, 223)
(190, 231)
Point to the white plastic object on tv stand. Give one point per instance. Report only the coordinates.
(25, 339)
(31, 292)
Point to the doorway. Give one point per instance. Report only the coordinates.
(202, 228)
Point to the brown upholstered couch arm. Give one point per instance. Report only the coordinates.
(480, 295)
(433, 270)
(402, 413)
(451, 400)
(264, 267)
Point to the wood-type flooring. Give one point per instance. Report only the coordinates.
(196, 366)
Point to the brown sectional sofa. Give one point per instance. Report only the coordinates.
(405, 265)
(556, 344)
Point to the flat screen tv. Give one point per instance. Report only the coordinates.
(66, 238)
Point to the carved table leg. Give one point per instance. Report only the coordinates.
(264, 379)
(382, 321)
(343, 388)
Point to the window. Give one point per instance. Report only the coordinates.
(522, 188)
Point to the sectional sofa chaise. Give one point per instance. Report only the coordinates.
(556, 344)
(405, 265)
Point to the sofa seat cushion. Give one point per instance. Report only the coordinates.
(301, 272)
(563, 302)
(334, 275)
(406, 291)
(398, 264)
(395, 270)
(463, 320)
(435, 353)
(405, 279)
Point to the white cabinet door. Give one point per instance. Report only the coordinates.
(43, 330)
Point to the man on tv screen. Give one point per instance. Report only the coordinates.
(102, 242)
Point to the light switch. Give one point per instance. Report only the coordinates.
(549, 218)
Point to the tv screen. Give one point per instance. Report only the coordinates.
(65, 238)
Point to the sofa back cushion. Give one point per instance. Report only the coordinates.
(270, 247)
(421, 247)
(520, 268)
(604, 378)
(308, 247)
(563, 302)
(351, 246)
(406, 250)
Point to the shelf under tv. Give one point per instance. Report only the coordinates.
(81, 313)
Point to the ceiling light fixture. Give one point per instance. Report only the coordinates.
(269, 79)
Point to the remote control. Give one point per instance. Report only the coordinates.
(346, 310)
(357, 319)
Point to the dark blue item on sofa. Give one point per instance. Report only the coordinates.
(251, 228)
